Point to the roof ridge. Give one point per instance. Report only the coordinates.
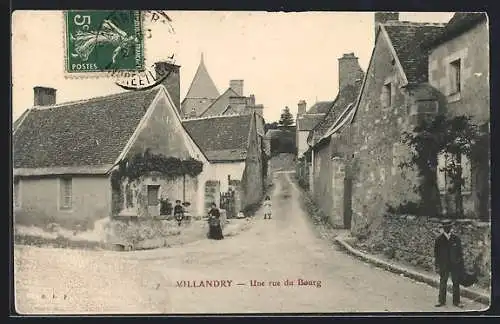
(217, 116)
(109, 96)
(413, 23)
(216, 99)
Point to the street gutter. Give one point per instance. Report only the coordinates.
(464, 292)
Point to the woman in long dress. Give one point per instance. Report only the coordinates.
(215, 229)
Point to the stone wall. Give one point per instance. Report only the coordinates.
(376, 132)
(411, 239)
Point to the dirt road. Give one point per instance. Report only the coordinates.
(270, 255)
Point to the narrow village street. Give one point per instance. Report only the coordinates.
(283, 248)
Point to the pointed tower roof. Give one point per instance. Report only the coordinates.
(202, 85)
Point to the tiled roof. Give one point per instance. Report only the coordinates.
(199, 105)
(221, 137)
(220, 104)
(273, 133)
(321, 107)
(85, 133)
(407, 40)
(308, 122)
(458, 24)
(347, 95)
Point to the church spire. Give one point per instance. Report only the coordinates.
(202, 91)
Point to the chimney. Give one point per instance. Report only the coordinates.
(171, 82)
(302, 105)
(237, 86)
(238, 103)
(44, 96)
(349, 70)
(383, 17)
(251, 100)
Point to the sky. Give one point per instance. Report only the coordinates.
(282, 57)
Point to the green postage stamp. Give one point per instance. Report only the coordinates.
(103, 41)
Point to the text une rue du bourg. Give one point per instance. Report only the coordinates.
(250, 283)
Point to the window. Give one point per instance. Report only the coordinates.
(443, 179)
(387, 95)
(466, 174)
(66, 194)
(441, 174)
(455, 74)
(15, 195)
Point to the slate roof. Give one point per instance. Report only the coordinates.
(221, 138)
(220, 104)
(347, 95)
(458, 24)
(320, 107)
(308, 122)
(273, 133)
(202, 87)
(408, 41)
(85, 133)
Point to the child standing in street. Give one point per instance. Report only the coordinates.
(267, 208)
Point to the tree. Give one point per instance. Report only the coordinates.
(452, 137)
(286, 117)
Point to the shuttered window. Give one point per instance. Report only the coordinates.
(66, 194)
(443, 179)
(455, 77)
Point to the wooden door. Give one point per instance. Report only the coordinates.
(347, 202)
(153, 200)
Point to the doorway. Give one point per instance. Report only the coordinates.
(153, 200)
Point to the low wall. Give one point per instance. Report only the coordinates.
(411, 239)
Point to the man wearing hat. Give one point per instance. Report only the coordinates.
(449, 261)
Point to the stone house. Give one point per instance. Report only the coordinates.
(65, 155)
(307, 120)
(329, 182)
(413, 73)
(201, 93)
(394, 94)
(459, 69)
(235, 149)
(203, 98)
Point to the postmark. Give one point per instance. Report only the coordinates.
(100, 41)
(152, 74)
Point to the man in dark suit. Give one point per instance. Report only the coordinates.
(449, 261)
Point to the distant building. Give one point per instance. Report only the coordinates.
(201, 94)
(327, 175)
(204, 100)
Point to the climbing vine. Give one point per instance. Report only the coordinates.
(453, 137)
(142, 164)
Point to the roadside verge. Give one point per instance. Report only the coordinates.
(469, 293)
